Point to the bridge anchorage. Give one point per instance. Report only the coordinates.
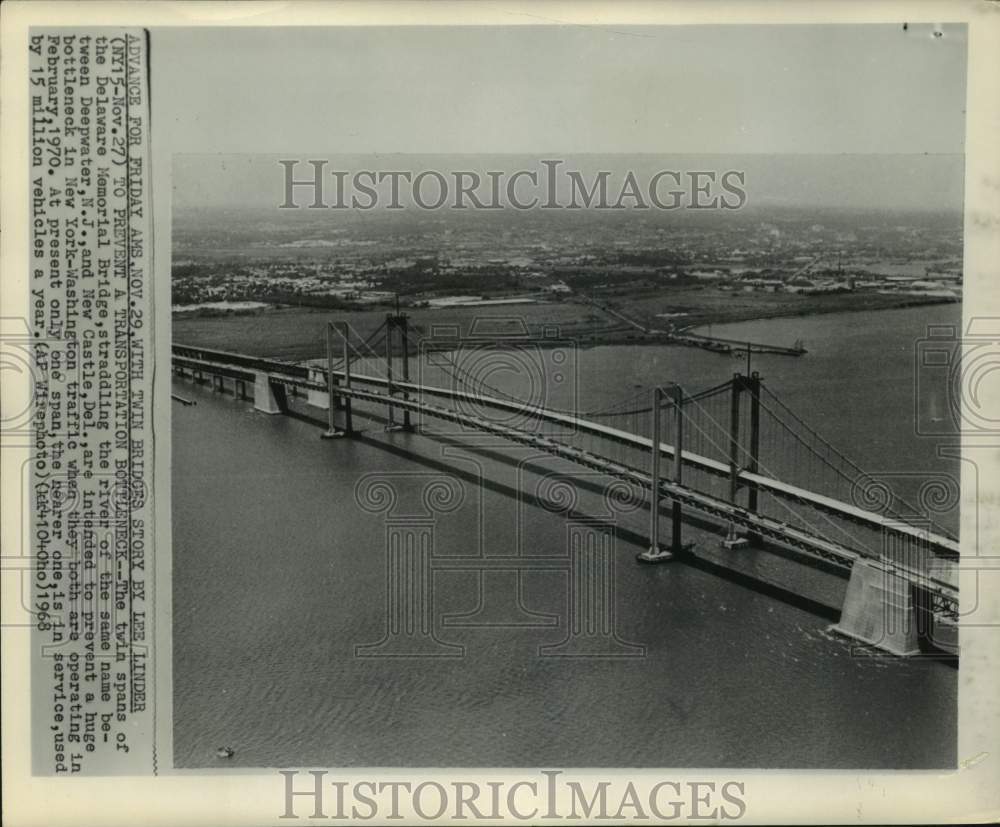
(766, 481)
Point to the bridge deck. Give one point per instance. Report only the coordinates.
(238, 366)
(297, 375)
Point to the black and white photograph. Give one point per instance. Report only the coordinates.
(445, 412)
(621, 459)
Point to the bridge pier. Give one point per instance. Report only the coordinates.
(892, 602)
(880, 610)
(733, 539)
(268, 397)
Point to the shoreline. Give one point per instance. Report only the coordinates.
(698, 327)
(286, 332)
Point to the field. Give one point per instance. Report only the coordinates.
(296, 333)
(709, 305)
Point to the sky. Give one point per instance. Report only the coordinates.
(552, 91)
(899, 182)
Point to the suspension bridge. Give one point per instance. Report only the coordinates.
(734, 454)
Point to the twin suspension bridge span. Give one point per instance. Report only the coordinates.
(733, 454)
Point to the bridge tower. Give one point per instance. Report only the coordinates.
(397, 323)
(656, 554)
(333, 331)
(753, 462)
(738, 385)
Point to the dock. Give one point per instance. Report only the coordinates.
(722, 345)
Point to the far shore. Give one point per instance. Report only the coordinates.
(297, 333)
(702, 328)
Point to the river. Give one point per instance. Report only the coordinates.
(279, 575)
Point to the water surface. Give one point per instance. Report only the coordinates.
(279, 574)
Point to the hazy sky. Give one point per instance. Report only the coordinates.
(551, 90)
(906, 182)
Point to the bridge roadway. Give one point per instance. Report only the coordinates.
(944, 592)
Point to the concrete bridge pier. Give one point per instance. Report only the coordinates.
(880, 610)
(269, 397)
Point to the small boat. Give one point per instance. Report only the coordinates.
(224, 752)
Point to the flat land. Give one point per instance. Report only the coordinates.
(712, 306)
(297, 333)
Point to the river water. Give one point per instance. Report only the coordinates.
(279, 574)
